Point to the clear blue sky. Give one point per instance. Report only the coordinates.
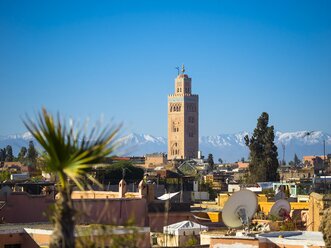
(117, 59)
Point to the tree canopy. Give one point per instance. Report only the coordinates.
(210, 159)
(21, 155)
(32, 154)
(296, 160)
(120, 170)
(263, 152)
(9, 154)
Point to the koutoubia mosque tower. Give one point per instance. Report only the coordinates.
(183, 120)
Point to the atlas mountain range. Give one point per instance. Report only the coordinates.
(228, 147)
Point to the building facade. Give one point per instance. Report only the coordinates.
(155, 159)
(183, 120)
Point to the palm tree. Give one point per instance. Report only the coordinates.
(68, 156)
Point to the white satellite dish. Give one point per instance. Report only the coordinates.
(280, 208)
(239, 209)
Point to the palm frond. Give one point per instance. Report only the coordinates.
(70, 153)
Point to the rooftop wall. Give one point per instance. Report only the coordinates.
(112, 211)
(317, 204)
(21, 207)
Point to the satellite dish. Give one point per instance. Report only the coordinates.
(280, 209)
(239, 209)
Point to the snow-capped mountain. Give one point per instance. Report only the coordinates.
(229, 147)
(17, 141)
(140, 144)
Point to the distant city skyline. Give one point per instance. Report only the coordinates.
(117, 59)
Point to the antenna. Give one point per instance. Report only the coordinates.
(281, 209)
(239, 209)
(177, 68)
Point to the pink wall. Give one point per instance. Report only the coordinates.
(20, 207)
(112, 211)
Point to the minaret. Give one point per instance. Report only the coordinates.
(183, 120)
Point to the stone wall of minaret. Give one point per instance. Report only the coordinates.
(183, 120)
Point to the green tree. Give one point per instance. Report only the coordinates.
(263, 152)
(21, 155)
(220, 161)
(2, 155)
(114, 173)
(210, 161)
(32, 154)
(296, 160)
(9, 154)
(69, 155)
(4, 175)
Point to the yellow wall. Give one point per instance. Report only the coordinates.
(266, 206)
(215, 216)
(262, 198)
(317, 204)
(222, 199)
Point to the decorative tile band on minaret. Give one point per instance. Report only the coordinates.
(183, 119)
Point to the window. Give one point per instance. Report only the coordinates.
(191, 107)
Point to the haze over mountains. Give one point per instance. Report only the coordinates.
(229, 147)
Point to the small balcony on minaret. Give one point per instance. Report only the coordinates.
(183, 85)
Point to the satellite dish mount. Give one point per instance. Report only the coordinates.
(239, 210)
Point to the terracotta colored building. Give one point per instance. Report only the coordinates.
(243, 165)
(183, 120)
(141, 208)
(155, 159)
(313, 160)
